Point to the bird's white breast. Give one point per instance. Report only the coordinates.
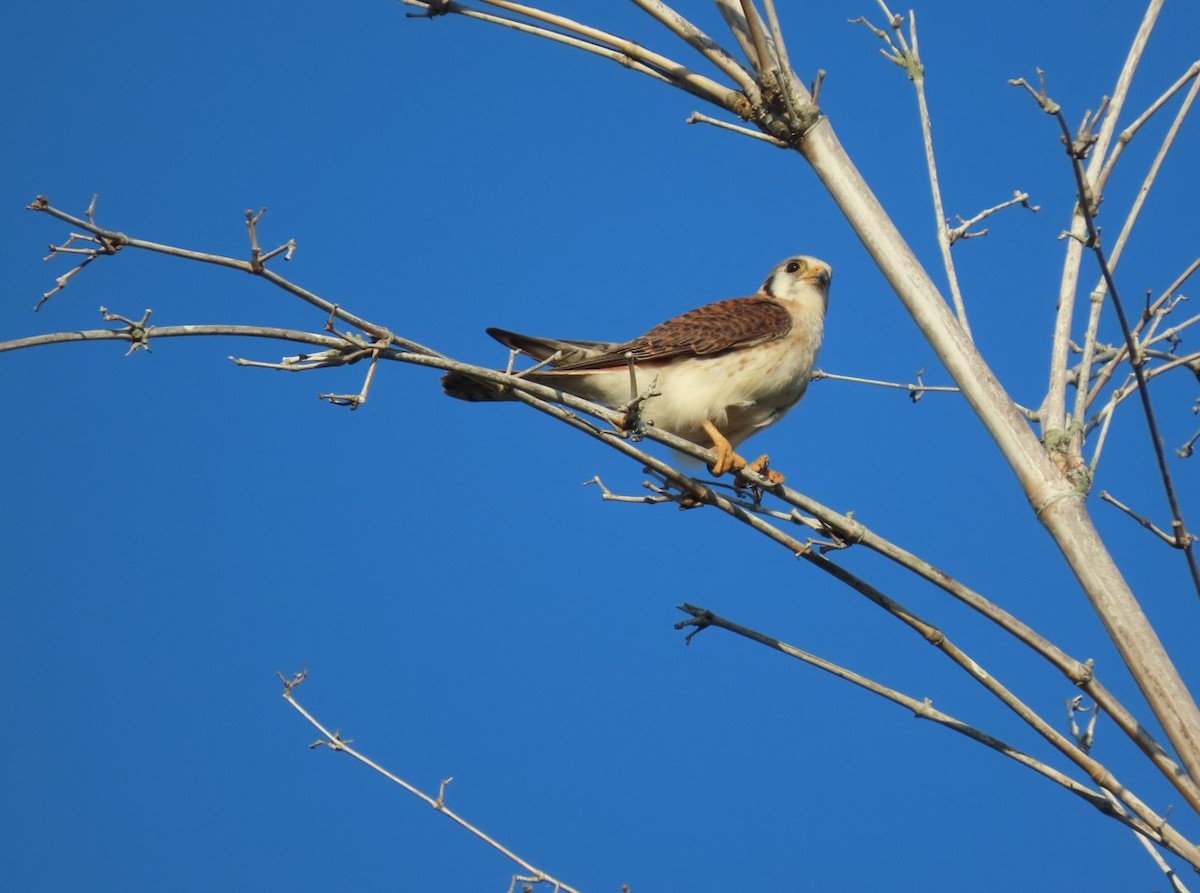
(741, 391)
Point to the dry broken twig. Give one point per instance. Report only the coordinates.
(335, 742)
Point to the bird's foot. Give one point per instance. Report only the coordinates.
(762, 467)
(727, 459)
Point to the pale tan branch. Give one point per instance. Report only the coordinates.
(1152, 174)
(906, 54)
(89, 255)
(609, 496)
(697, 118)
(963, 230)
(1098, 292)
(1126, 135)
(297, 336)
(1170, 539)
(1170, 334)
(1176, 884)
(1118, 396)
(120, 240)
(1054, 419)
(777, 40)
(335, 742)
(663, 492)
(762, 59)
(703, 44)
(1086, 207)
(1143, 820)
(598, 42)
(914, 390)
(1167, 300)
(1188, 448)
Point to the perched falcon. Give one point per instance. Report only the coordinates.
(714, 375)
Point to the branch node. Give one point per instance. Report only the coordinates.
(1048, 105)
(289, 684)
(137, 332)
(701, 619)
(441, 797)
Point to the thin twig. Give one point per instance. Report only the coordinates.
(1176, 884)
(914, 390)
(963, 230)
(1126, 135)
(335, 742)
(703, 44)
(601, 43)
(1093, 323)
(1055, 405)
(119, 240)
(698, 118)
(1086, 208)
(1142, 520)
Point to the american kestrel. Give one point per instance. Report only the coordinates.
(714, 375)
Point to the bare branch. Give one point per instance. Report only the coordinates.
(906, 54)
(120, 240)
(963, 230)
(1167, 538)
(1143, 820)
(1054, 418)
(341, 349)
(697, 118)
(1085, 208)
(1097, 295)
(598, 42)
(1147, 844)
(297, 336)
(1126, 135)
(914, 390)
(703, 44)
(335, 742)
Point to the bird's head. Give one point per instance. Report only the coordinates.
(796, 277)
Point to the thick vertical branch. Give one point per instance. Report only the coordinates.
(1052, 496)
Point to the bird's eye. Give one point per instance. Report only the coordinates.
(795, 266)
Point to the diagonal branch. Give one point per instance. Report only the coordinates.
(561, 29)
(1143, 820)
(335, 742)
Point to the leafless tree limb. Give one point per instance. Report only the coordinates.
(1054, 418)
(1098, 291)
(1143, 821)
(772, 97)
(340, 349)
(1078, 146)
(335, 742)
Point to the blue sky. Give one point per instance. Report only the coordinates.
(175, 529)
